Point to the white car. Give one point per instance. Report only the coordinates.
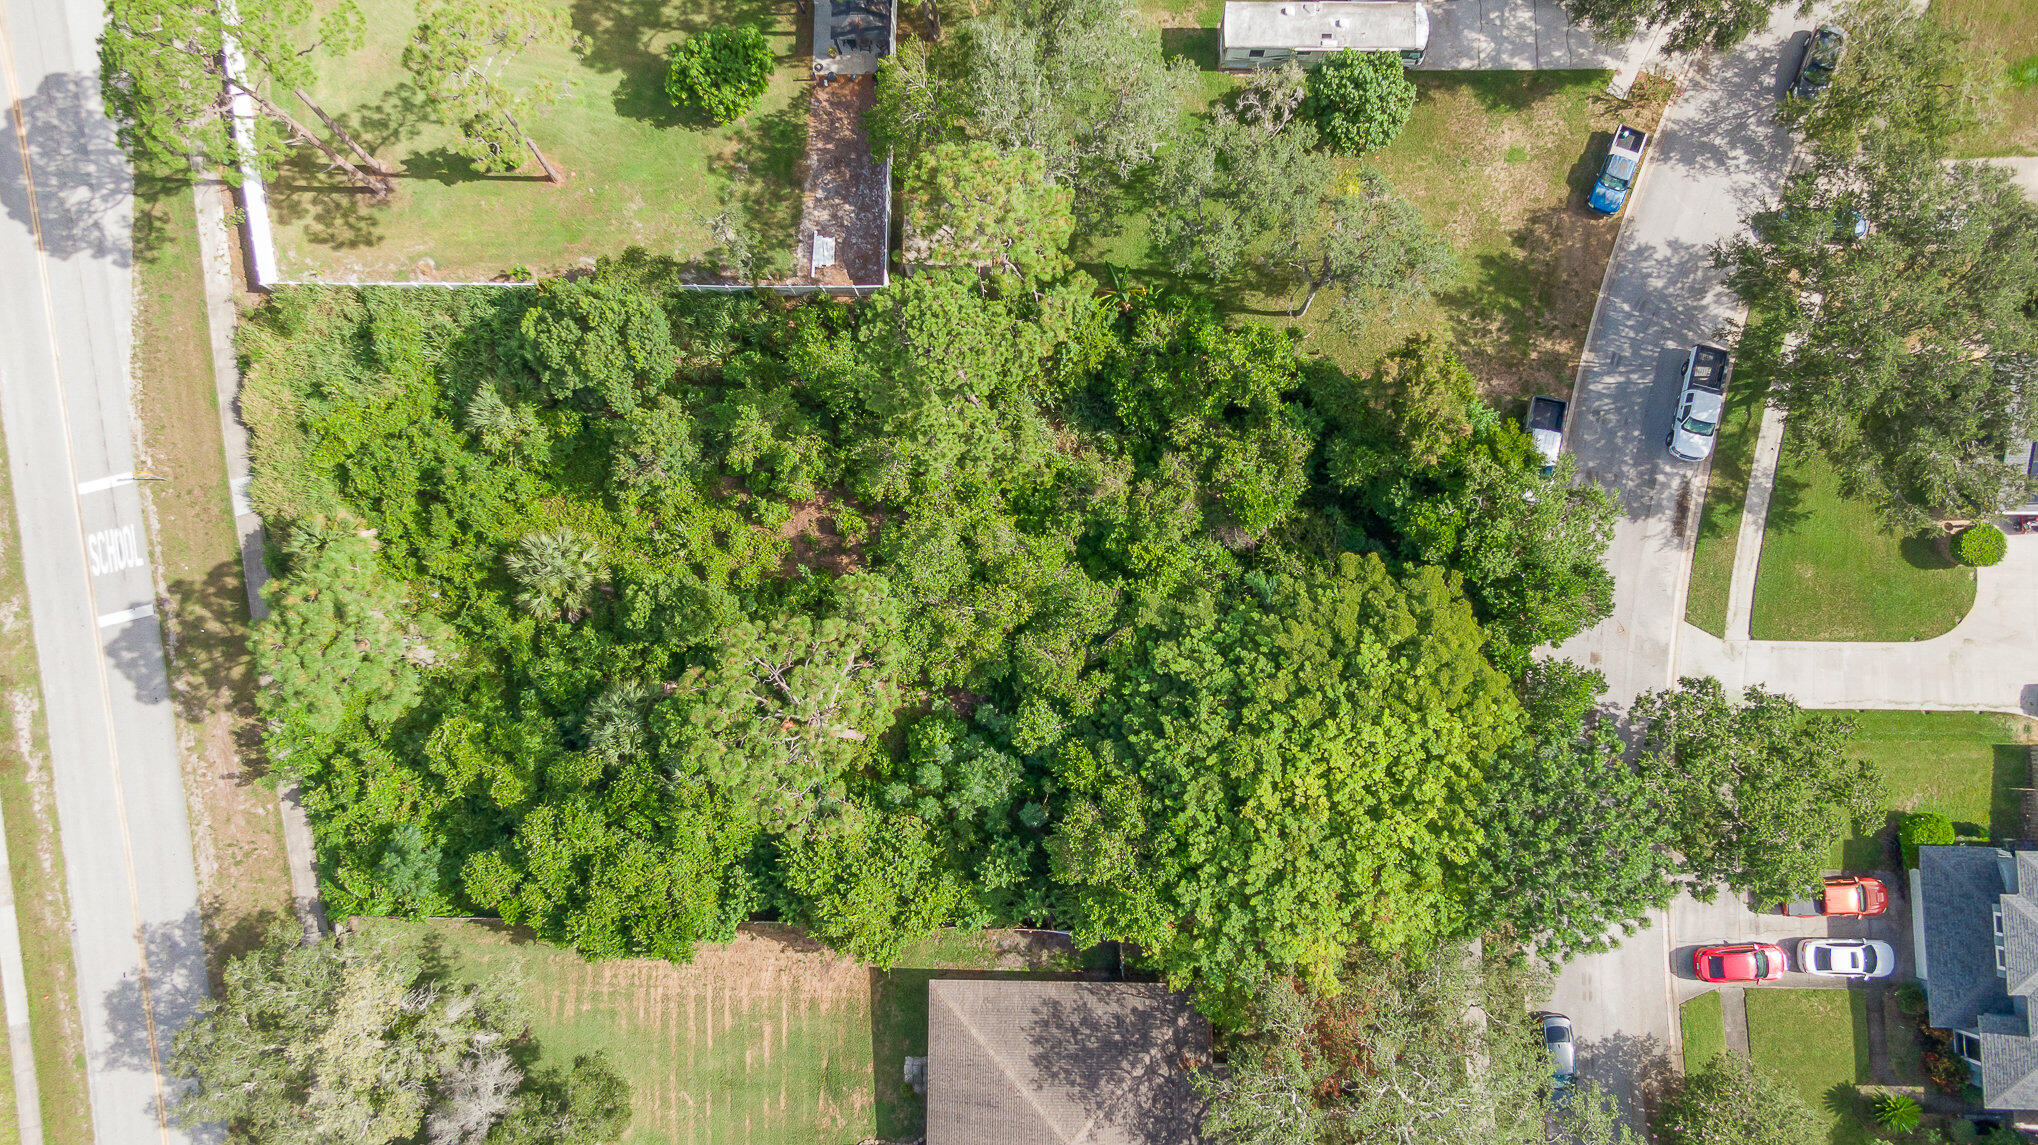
(1700, 403)
(1861, 958)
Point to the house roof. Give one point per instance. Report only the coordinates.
(1028, 1062)
(1324, 25)
(1959, 888)
(2009, 1060)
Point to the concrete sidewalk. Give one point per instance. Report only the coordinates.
(1754, 514)
(1989, 662)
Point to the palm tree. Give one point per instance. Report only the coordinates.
(555, 572)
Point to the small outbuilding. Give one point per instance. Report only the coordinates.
(1029, 1062)
(1259, 33)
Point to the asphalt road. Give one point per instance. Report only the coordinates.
(1716, 157)
(65, 339)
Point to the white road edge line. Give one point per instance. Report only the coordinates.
(104, 483)
(108, 620)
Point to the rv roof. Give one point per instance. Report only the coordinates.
(1323, 25)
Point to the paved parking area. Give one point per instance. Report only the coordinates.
(1730, 919)
(1513, 35)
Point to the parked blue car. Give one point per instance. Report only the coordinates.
(1617, 174)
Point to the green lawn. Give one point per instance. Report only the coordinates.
(766, 1040)
(2010, 28)
(1831, 572)
(1719, 523)
(639, 171)
(1500, 161)
(1818, 1041)
(1967, 766)
(1705, 1032)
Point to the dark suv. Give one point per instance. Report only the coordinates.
(1821, 57)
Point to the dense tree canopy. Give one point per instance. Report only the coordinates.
(1906, 353)
(1393, 1056)
(1758, 789)
(629, 613)
(1576, 843)
(1081, 83)
(1271, 781)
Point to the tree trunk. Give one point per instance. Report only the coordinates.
(1315, 285)
(552, 174)
(367, 160)
(377, 183)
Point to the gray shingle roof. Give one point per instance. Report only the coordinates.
(1028, 1062)
(1959, 888)
(2009, 1061)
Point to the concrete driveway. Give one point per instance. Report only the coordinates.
(1513, 35)
(1732, 919)
(1624, 1003)
(1716, 157)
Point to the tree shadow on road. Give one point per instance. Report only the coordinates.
(82, 184)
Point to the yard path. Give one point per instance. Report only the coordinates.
(1754, 513)
(1734, 1018)
(215, 256)
(1989, 662)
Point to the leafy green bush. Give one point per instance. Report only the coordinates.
(720, 72)
(1360, 100)
(1896, 1112)
(1979, 546)
(1923, 829)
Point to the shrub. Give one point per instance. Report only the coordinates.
(1910, 998)
(1360, 100)
(720, 72)
(1923, 829)
(1979, 546)
(1896, 1112)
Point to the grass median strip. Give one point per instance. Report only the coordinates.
(1705, 1030)
(1726, 494)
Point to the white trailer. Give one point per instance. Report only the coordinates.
(1259, 33)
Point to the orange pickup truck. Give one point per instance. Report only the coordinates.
(1844, 895)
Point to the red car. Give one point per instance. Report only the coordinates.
(1748, 962)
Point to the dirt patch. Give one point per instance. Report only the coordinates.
(236, 831)
(847, 190)
(1534, 347)
(826, 534)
